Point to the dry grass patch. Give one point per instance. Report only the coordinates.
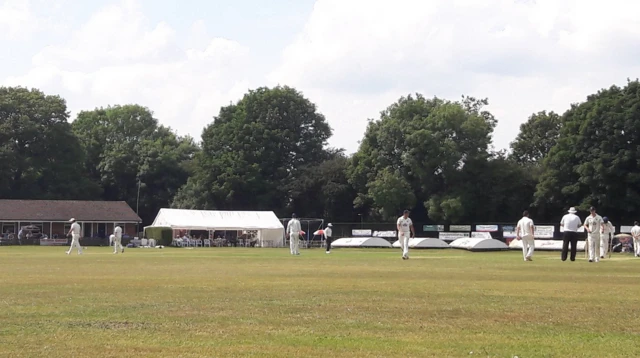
(215, 302)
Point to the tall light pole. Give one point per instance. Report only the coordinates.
(138, 199)
(138, 206)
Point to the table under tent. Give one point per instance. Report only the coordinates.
(260, 228)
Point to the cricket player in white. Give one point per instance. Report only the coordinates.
(525, 231)
(593, 224)
(293, 231)
(117, 239)
(327, 237)
(635, 232)
(75, 236)
(606, 232)
(405, 233)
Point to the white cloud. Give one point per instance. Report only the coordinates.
(353, 58)
(16, 19)
(356, 57)
(118, 57)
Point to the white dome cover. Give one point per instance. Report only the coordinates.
(424, 243)
(479, 244)
(361, 242)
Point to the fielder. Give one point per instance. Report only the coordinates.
(593, 224)
(635, 232)
(405, 233)
(606, 232)
(525, 231)
(117, 239)
(293, 231)
(75, 236)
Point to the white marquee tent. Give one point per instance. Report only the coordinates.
(266, 223)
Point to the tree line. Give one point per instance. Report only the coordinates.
(268, 151)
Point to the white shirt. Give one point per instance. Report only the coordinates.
(571, 222)
(404, 224)
(118, 232)
(635, 232)
(608, 228)
(294, 226)
(525, 225)
(75, 229)
(327, 232)
(594, 223)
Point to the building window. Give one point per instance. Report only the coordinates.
(87, 229)
(8, 228)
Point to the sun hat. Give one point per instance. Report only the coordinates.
(72, 220)
(572, 210)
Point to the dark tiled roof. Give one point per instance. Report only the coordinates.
(63, 210)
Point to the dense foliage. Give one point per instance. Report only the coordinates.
(269, 151)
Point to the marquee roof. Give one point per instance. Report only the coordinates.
(216, 220)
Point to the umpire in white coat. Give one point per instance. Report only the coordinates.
(327, 237)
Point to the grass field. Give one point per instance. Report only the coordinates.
(234, 302)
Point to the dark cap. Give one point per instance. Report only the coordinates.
(593, 208)
(406, 212)
(294, 215)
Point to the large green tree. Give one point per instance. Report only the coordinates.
(595, 161)
(323, 191)
(427, 144)
(497, 190)
(390, 193)
(253, 150)
(127, 149)
(40, 158)
(536, 138)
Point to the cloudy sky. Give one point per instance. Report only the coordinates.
(184, 59)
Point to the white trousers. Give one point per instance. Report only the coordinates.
(117, 244)
(528, 246)
(75, 242)
(636, 246)
(404, 238)
(604, 245)
(294, 243)
(593, 240)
